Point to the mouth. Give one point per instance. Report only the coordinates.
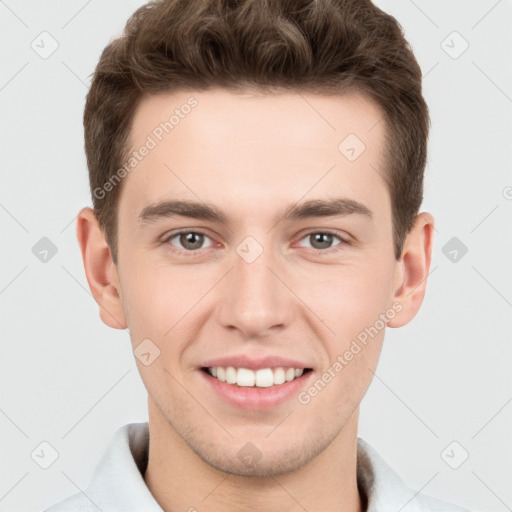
(258, 378)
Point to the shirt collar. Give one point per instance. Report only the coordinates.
(121, 469)
(117, 483)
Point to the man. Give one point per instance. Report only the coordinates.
(256, 170)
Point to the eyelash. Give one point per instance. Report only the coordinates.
(318, 252)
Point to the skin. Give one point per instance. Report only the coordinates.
(252, 155)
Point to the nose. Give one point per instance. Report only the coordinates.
(255, 301)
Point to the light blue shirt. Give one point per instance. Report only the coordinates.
(117, 484)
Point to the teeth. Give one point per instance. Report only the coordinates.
(245, 377)
(230, 375)
(279, 376)
(290, 374)
(262, 378)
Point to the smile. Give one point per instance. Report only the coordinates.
(261, 378)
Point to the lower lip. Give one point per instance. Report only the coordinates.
(255, 398)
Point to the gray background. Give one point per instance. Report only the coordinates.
(69, 380)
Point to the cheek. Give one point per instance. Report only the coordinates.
(160, 302)
(350, 298)
(151, 291)
(352, 308)
(157, 306)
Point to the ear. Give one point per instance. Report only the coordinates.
(412, 269)
(100, 269)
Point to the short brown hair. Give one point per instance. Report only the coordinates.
(320, 46)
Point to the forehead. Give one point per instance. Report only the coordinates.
(242, 147)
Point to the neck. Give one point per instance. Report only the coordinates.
(181, 481)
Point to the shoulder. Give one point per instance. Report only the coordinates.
(117, 483)
(76, 503)
(426, 503)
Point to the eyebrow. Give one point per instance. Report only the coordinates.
(295, 211)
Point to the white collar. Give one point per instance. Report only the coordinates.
(117, 484)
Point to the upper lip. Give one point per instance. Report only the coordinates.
(254, 363)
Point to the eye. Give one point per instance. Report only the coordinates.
(322, 240)
(189, 241)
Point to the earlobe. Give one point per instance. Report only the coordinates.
(415, 265)
(99, 269)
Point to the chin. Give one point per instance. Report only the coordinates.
(247, 459)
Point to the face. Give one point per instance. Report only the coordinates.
(222, 264)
